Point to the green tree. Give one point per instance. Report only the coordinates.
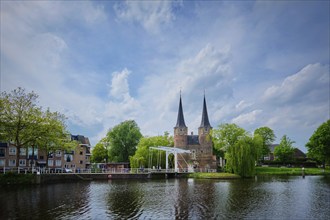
(24, 124)
(144, 154)
(319, 144)
(268, 137)
(51, 134)
(241, 156)
(123, 140)
(240, 148)
(284, 151)
(226, 135)
(100, 152)
(19, 118)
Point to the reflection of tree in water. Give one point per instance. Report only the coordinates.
(194, 199)
(125, 199)
(45, 202)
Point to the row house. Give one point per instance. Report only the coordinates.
(77, 159)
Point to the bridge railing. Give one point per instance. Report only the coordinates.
(40, 170)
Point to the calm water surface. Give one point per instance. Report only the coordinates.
(259, 198)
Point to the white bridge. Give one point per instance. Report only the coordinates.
(176, 152)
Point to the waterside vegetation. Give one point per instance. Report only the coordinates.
(291, 171)
(214, 176)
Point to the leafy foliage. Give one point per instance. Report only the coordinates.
(285, 150)
(319, 143)
(226, 135)
(144, 153)
(123, 140)
(268, 137)
(240, 148)
(24, 124)
(100, 152)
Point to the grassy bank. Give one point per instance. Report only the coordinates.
(290, 171)
(214, 176)
(14, 178)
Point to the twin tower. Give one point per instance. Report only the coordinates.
(200, 146)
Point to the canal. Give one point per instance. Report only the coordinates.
(258, 198)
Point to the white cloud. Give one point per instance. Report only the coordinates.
(247, 118)
(242, 105)
(150, 14)
(119, 85)
(308, 85)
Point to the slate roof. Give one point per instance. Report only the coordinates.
(272, 147)
(205, 118)
(192, 140)
(180, 122)
(80, 138)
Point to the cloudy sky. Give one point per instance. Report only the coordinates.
(261, 63)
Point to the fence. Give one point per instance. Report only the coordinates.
(40, 170)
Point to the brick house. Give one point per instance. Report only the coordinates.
(79, 158)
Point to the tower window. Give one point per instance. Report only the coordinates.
(193, 156)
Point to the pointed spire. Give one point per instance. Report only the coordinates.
(205, 118)
(180, 122)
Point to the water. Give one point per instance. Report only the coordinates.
(260, 198)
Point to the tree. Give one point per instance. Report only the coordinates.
(24, 124)
(19, 117)
(285, 150)
(143, 153)
(100, 152)
(240, 148)
(241, 157)
(268, 137)
(51, 134)
(123, 140)
(226, 135)
(319, 144)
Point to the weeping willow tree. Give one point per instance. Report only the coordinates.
(240, 148)
(241, 157)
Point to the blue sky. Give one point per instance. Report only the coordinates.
(261, 63)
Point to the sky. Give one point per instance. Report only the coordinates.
(259, 63)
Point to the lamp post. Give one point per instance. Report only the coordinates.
(106, 144)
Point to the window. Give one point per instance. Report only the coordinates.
(81, 162)
(81, 153)
(12, 151)
(22, 162)
(58, 163)
(68, 158)
(41, 157)
(58, 153)
(50, 163)
(193, 155)
(2, 162)
(22, 151)
(2, 152)
(12, 163)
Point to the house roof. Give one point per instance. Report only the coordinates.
(192, 140)
(299, 153)
(205, 118)
(180, 121)
(81, 139)
(272, 147)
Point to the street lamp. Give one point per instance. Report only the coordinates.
(106, 144)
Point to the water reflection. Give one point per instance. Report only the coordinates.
(49, 201)
(260, 198)
(125, 199)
